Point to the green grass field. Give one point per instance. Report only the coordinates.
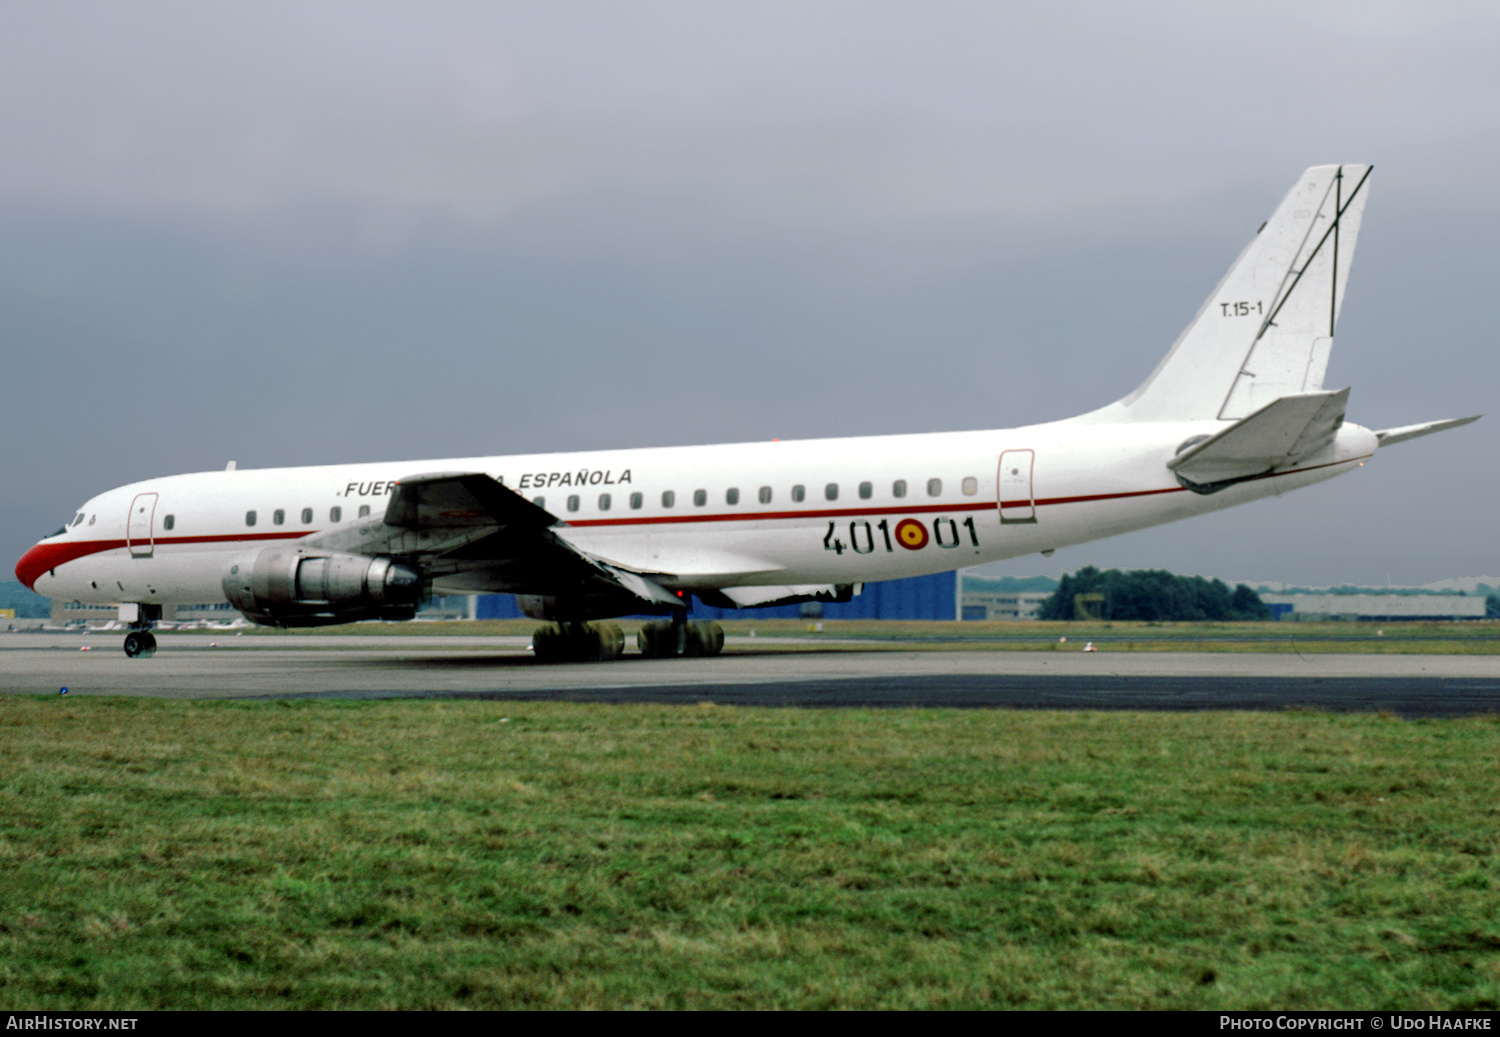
(447, 854)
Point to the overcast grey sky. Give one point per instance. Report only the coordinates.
(294, 233)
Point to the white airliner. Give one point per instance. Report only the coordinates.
(1235, 412)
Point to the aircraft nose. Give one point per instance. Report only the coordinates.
(32, 564)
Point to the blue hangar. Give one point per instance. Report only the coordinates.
(920, 597)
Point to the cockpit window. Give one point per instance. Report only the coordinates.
(77, 519)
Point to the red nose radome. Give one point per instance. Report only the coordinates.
(46, 556)
(30, 567)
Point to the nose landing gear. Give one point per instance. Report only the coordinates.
(140, 643)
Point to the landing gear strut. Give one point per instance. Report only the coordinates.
(140, 643)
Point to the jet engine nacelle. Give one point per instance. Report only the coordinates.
(295, 587)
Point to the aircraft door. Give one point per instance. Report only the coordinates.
(1017, 504)
(139, 534)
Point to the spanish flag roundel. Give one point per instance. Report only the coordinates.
(911, 534)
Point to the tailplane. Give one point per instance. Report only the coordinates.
(1267, 330)
(1281, 434)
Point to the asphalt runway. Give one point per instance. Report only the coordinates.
(764, 672)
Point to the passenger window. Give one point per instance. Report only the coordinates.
(866, 490)
(934, 487)
(540, 502)
(306, 516)
(831, 491)
(603, 502)
(364, 511)
(700, 498)
(278, 517)
(971, 486)
(765, 495)
(731, 496)
(573, 502)
(668, 498)
(166, 523)
(249, 518)
(335, 514)
(898, 488)
(799, 493)
(636, 500)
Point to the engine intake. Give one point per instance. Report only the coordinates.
(294, 586)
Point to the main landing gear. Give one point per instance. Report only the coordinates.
(694, 639)
(578, 642)
(603, 642)
(140, 643)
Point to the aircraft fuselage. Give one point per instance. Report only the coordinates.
(833, 511)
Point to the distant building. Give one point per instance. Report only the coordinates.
(1009, 605)
(1373, 607)
(65, 612)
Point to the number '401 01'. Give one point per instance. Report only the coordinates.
(863, 539)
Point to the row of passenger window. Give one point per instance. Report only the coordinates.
(765, 495)
(278, 517)
(866, 490)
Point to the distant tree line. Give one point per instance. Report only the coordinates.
(28, 604)
(1150, 594)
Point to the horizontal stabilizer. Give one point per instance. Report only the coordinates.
(1388, 436)
(1281, 433)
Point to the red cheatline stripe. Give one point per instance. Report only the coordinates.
(919, 509)
(49, 556)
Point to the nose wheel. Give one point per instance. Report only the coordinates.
(140, 644)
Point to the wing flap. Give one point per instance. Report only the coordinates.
(762, 597)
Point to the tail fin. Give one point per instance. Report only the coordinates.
(1267, 329)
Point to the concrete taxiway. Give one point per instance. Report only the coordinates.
(763, 672)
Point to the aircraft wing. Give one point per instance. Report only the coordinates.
(468, 528)
(1282, 433)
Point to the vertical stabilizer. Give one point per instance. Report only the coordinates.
(1267, 330)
